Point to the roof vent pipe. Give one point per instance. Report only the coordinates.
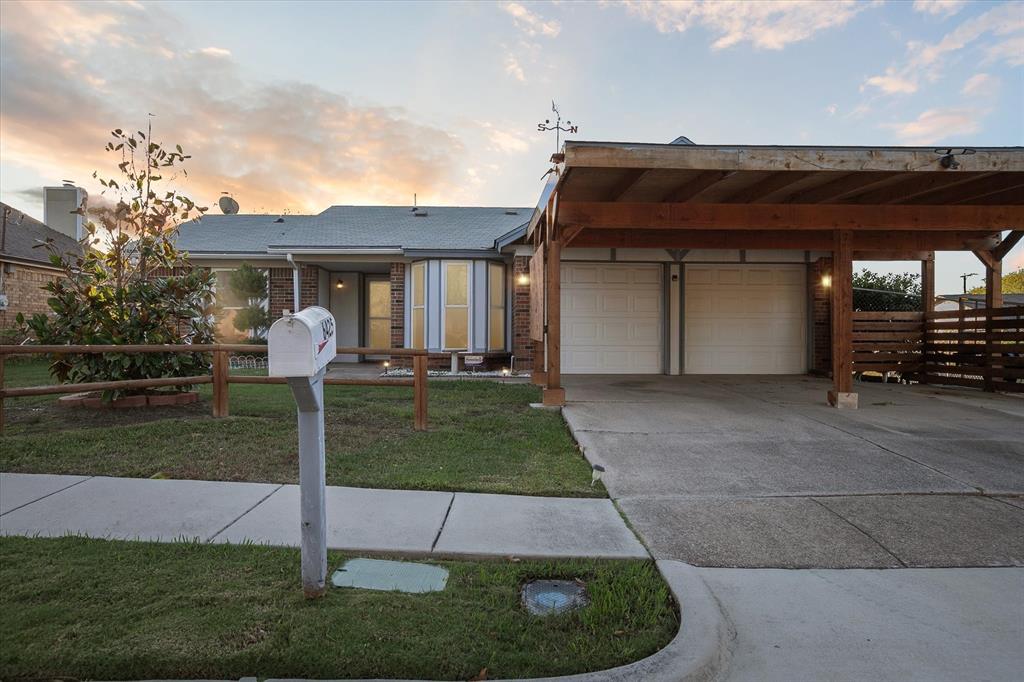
(683, 139)
(295, 283)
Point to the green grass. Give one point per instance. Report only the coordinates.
(95, 609)
(483, 437)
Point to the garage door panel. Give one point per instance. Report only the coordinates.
(745, 319)
(619, 329)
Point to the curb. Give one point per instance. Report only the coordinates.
(698, 653)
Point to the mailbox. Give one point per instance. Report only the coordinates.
(299, 348)
(300, 345)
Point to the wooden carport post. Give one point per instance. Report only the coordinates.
(842, 394)
(554, 394)
(928, 283)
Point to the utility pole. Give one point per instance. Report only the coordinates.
(965, 276)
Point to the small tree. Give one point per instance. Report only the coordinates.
(130, 285)
(250, 285)
(890, 291)
(1013, 283)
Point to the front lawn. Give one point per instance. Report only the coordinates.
(109, 610)
(483, 437)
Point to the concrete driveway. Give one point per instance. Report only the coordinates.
(759, 472)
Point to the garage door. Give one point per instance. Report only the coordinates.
(611, 318)
(745, 319)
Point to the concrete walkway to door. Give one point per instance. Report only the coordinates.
(758, 472)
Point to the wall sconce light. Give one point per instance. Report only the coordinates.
(826, 280)
(523, 279)
(340, 284)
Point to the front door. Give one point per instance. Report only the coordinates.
(378, 313)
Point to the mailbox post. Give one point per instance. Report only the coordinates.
(299, 348)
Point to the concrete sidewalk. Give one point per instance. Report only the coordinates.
(359, 519)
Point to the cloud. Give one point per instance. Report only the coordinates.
(980, 85)
(214, 52)
(531, 23)
(246, 137)
(513, 68)
(939, 8)
(936, 126)
(831, 109)
(766, 25)
(1001, 27)
(891, 83)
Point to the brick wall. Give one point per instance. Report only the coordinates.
(23, 286)
(522, 348)
(281, 289)
(398, 305)
(821, 321)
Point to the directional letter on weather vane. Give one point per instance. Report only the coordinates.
(546, 125)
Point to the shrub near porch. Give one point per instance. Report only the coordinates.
(483, 437)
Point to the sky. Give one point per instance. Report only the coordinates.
(298, 106)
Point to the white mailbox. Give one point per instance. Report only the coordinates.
(300, 345)
(299, 348)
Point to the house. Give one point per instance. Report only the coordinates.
(642, 258)
(25, 266)
(436, 277)
(958, 301)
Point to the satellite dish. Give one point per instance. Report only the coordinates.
(228, 205)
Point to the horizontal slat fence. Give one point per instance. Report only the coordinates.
(981, 348)
(220, 376)
(888, 342)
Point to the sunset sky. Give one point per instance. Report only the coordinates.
(298, 106)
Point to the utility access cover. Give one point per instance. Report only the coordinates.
(547, 597)
(390, 576)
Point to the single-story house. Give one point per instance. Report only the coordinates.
(958, 301)
(25, 266)
(642, 258)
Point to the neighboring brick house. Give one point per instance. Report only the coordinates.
(447, 279)
(25, 266)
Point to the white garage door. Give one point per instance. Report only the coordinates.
(745, 319)
(611, 318)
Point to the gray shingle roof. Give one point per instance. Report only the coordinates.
(20, 241)
(443, 228)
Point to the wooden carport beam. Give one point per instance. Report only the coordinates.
(614, 215)
(842, 395)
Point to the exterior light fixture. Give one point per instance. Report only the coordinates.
(595, 475)
(504, 372)
(826, 280)
(340, 284)
(387, 364)
(523, 279)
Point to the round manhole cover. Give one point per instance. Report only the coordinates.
(546, 597)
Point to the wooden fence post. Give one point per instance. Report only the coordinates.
(419, 390)
(220, 383)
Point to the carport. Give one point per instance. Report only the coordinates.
(846, 202)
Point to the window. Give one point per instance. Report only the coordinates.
(496, 306)
(226, 296)
(378, 313)
(456, 306)
(419, 297)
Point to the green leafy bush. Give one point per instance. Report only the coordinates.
(130, 285)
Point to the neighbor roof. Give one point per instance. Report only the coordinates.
(351, 228)
(1008, 299)
(23, 237)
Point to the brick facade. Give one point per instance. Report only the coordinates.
(522, 348)
(398, 305)
(23, 285)
(821, 319)
(281, 298)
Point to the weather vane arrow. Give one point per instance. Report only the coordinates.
(557, 127)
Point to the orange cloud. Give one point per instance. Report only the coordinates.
(276, 146)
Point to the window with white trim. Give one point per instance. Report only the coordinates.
(455, 332)
(495, 306)
(419, 299)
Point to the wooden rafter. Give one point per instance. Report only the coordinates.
(697, 185)
(814, 240)
(603, 215)
(910, 186)
(835, 190)
(977, 188)
(628, 182)
(776, 182)
(1004, 247)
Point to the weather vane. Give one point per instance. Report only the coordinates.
(546, 125)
